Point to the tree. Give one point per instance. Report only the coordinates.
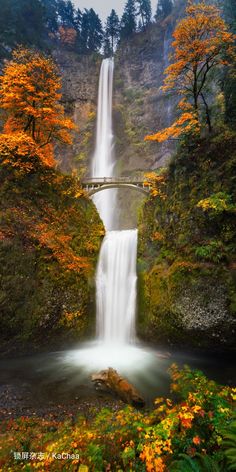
(66, 12)
(78, 19)
(21, 22)
(95, 32)
(164, 8)
(201, 42)
(29, 93)
(107, 47)
(112, 30)
(91, 35)
(128, 20)
(229, 79)
(145, 11)
(50, 15)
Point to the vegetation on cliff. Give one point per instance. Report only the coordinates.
(187, 227)
(187, 245)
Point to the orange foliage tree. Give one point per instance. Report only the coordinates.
(67, 35)
(201, 43)
(29, 95)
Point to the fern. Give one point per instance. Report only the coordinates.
(229, 445)
(200, 463)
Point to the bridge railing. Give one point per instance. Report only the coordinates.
(111, 180)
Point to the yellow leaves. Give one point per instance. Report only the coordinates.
(150, 454)
(186, 419)
(233, 394)
(157, 183)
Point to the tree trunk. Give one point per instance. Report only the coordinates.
(208, 117)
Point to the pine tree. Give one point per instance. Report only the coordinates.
(107, 47)
(66, 12)
(164, 8)
(112, 29)
(78, 19)
(50, 15)
(91, 31)
(128, 20)
(145, 12)
(21, 22)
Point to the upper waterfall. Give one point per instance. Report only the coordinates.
(103, 158)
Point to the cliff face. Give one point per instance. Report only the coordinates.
(80, 76)
(140, 106)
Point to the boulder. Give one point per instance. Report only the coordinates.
(109, 379)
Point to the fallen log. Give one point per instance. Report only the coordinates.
(109, 379)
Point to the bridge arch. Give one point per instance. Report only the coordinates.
(95, 185)
(93, 191)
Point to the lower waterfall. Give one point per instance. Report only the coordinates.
(116, 287)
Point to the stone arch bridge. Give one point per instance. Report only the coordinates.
(97, 184)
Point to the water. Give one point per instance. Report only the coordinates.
(116, 288)
(103, 162)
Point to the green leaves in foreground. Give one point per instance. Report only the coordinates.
(200, 463)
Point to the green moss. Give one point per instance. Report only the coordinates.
(49, 245)
(188, 248)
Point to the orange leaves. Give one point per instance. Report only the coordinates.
(196, 440)
(187, 122)
(59, 244)
(67, 35)
(20, 151)
(201, 42)
(153, 463)
(29, 93)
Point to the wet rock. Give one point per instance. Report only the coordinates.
(109, 379)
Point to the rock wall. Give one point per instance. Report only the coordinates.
(140, 106)
(80, 76)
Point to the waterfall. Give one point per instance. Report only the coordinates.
(116, 271)
(116, 287)
(103, 158)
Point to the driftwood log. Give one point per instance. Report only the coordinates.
(109, 379)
